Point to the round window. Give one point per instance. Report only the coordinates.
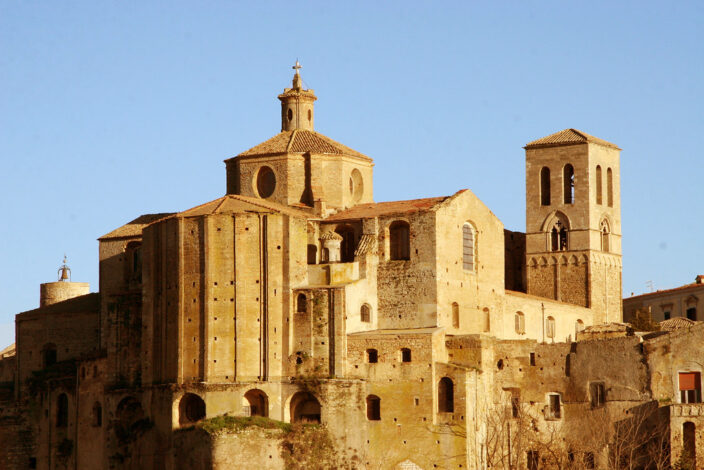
(266, 182)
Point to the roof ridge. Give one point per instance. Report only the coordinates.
(222, 201)
(290, 141)
(579, 133)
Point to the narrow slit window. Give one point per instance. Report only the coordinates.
(598, 185)
(610, 187)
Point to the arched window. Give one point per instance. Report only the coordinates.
(191, 408)
(62, 411)
(405, 355)
(312, 254)
(578, 328)
(610, 187)
(372, 356)
(373, 408)
(446, 396)
(468, 247)
(48, 355)
(520, 321)
(598, 184)
(134, 253)
(545, 186)
(257, 403)
(455, 315)
(400, 240)
(97, 415)
(550, 328)
(605, 231)
(568, 182)
(301, 303)
(558, 227)
(305, 408)
(365, 313)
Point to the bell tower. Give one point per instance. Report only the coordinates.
(297, 105)
(573, 222)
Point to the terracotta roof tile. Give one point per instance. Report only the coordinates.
(694, 285)
(234, 203)
(677, 324)
(134, 228)
(300, 141)
(367, 244)
(379, 209)
(568, 137)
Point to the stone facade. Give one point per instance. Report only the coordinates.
(421, 334)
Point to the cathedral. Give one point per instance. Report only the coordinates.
(412, 334)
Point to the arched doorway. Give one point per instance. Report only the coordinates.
(305, 408)
(348, 246)
(689, 441)
(129, 411)
(191, 408)
(258, 403)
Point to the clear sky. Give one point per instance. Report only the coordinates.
(109, 110)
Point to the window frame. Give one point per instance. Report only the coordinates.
(553, 413)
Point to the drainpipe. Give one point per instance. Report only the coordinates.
(542, 306)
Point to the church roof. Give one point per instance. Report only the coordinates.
(134, 228)
(568, 137)
(300, 141)
(380, 209)
(234, 203)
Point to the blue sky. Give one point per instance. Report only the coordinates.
(109, 110)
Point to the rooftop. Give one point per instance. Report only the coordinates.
(80, 304)
(134, 228)
(301, 141)
(379, 209)
(235, 203)
(698, 283)
(568, 137)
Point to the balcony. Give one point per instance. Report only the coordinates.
(332, 273)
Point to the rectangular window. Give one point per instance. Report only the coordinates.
(532, 460)
(666, 315)
(597, 394)
(692, 313)
(690, 387)
(554, 410)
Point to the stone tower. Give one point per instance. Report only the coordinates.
(573, 222)
(300, 167)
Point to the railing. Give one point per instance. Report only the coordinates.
(686, 409)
